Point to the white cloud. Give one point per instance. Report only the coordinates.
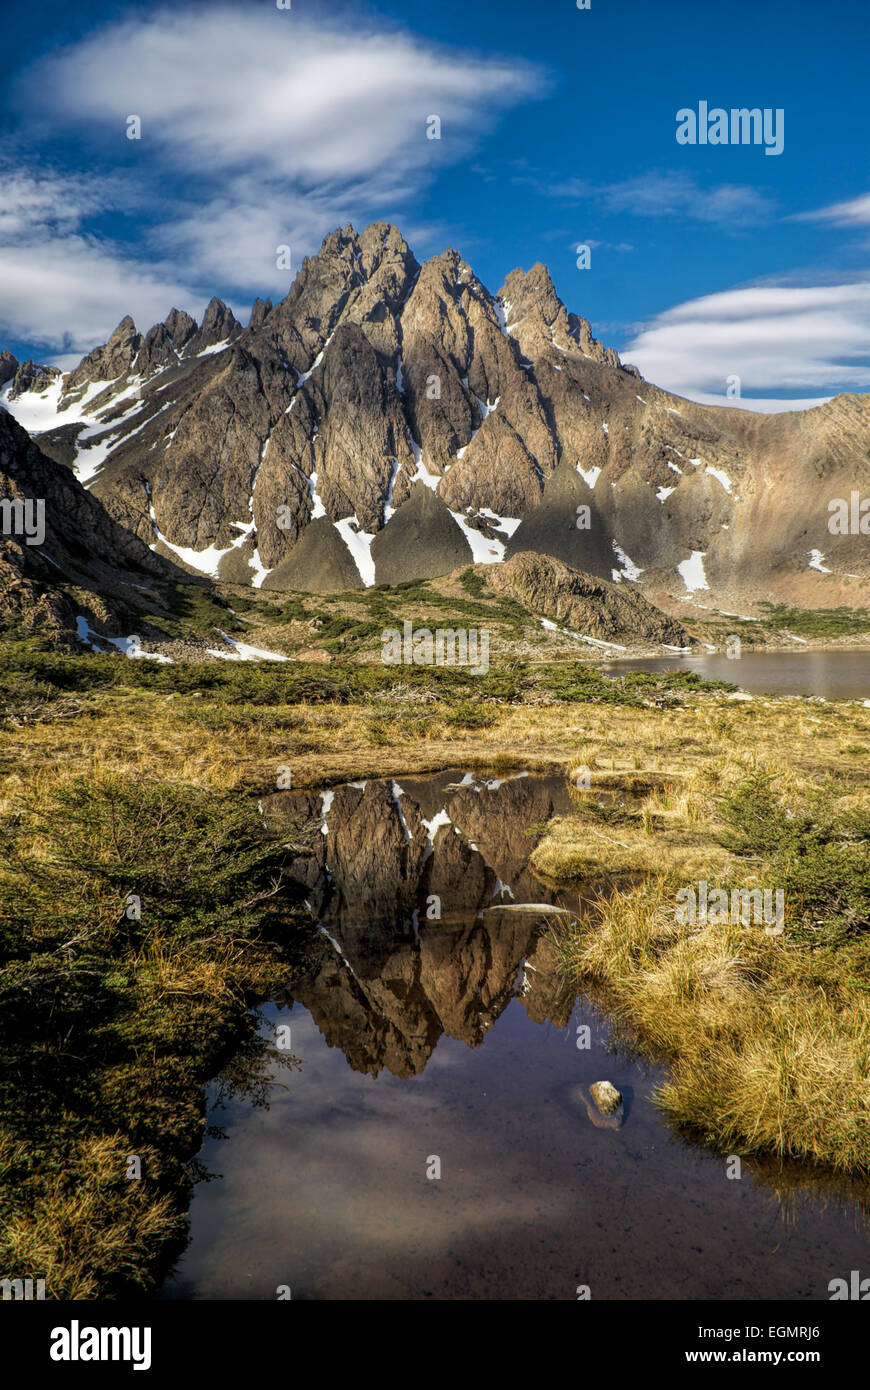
(60, 288)
(775, 338)
(223, 90)
(855, 212)
(671, 194)
(259, 129)
(51, 202)
(70, 294)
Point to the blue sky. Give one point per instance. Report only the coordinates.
(263, 127)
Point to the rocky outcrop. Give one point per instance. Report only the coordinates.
(181, 327)
(539, 321)
(8, 366)
(605, 1096)
(581, 603)
(219, 325)
(32, 377)
(109, 362)
(61, 555)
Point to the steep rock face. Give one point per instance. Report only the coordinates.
(219, 325)
(97, 562)
(538, 319)
(32, 377)
(582, 604)
(454, 358)
(349, 431)
(375, 373)
(189, 469)
(112, 360)
(8, 366)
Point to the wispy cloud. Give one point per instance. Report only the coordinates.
(259, 129)
(300, 101)
(663, 193)
(775, 338)
(59, 287)
(855, 212)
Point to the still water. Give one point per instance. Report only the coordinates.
(454, 1040)
(835, 675)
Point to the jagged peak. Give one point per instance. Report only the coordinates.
(260, 311)
(216, 312)
(180, 326)
(9, 365)
(125, 329)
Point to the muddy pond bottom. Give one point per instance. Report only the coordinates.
(435, 1138)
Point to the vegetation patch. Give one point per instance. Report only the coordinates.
(138, 921)
(767, 1034)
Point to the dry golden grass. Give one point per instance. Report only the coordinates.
(769, 1048)
(89, 1222)
(577, 848)
(196, 740)
(769, 1043)
(768, 1052)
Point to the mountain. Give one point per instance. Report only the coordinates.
(65, 565)
(389, 420)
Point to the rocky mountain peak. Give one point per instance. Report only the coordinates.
(180, 326)
(388, 418)
(8, 366)
(219, 324)
(112, 360)
(260, 311)
(125, 331)
(32, 376)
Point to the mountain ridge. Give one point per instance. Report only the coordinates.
(218, 446)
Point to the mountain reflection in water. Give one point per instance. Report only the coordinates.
(393, 979)
(455, 1038)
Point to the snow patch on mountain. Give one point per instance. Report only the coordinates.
(242, 652)
(359, 543)
(627, 568)
(721, 477)
(130, 646)
(484, 550)
(579, 637)
(590, 476)
(691, 571)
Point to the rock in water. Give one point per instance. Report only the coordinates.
(606, 1097)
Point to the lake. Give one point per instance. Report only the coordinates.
(834, 675)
